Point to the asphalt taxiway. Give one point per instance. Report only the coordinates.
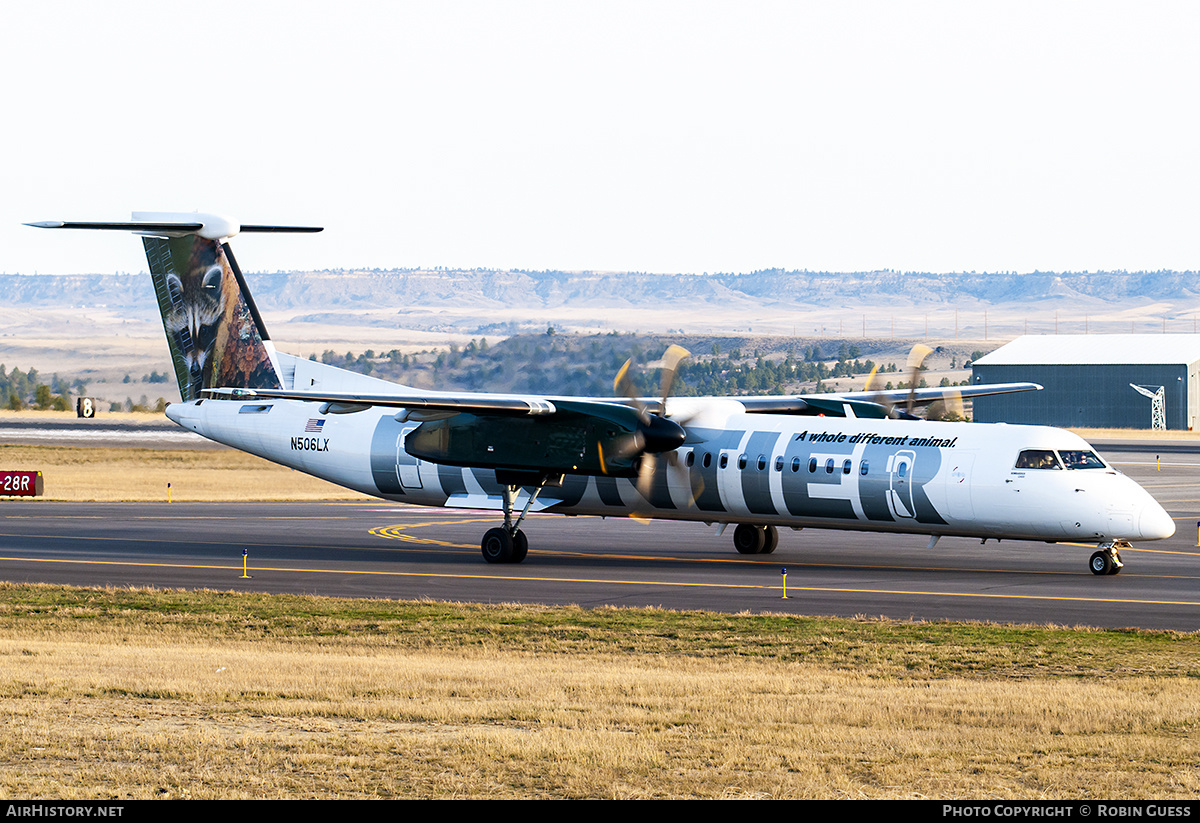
(384, 550)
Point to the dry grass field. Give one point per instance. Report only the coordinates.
(110, 474)
(131, 694)
(1138, 434)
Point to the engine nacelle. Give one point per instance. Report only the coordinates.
(579, 438)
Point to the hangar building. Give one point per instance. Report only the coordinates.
(1086, 377)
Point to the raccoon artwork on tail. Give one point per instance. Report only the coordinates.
(215, 337)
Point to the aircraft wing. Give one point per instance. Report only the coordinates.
(862, 402)
(476, 403)
(434, 405)
(523, 433)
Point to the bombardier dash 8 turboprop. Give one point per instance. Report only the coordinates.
(840, 461)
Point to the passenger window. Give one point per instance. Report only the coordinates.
(762, 462)
(690, 459)
(846, 467)
(829, 466)
(707, 461)
(779, 463)
(812, 465)
(1037, 459)
(724, 460)
(862, 469)
(741, 461)
(795, 464)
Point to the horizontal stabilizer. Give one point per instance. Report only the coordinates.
(175, 224)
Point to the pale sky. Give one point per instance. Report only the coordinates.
(647, 136)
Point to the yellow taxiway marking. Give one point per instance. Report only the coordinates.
(610, 581)
(169, 517)
(591, 555)
(394, 532)
(238, 568)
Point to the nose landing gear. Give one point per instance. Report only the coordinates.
(1108, 559)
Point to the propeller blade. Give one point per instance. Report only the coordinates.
(621, 381)
(630, 445)
(643, 484)
(954, 404)
(915, 358)
(645, 478)
(682, 475)
(623, 385)
(656, 433)
(872, 383)
(670, 368)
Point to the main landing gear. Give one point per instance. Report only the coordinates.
(751, 539)
(503, 546)
(508, 544)
(1108, 559)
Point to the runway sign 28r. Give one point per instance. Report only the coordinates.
(21, 484)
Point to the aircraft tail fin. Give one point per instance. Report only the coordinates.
(216, 335)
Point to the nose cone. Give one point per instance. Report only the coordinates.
(1155, 523)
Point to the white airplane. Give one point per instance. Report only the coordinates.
(840, 461)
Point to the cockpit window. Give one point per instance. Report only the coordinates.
(1037, 459)
(1078, 459)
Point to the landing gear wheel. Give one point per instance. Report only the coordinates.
(771, 535)
(1101, 563)
(749, 539)
(520, 547)
(498, 546)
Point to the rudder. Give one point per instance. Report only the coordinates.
(215, 333)
(215, 337)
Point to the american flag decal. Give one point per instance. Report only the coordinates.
(314, 425)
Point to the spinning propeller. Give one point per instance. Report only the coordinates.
(951, 398)
(656, 433)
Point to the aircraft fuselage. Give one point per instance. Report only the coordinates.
(770, 470)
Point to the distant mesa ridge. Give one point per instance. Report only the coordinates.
(357, 289)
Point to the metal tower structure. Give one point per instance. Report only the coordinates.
(1158, 408)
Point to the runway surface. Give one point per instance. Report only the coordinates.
(384, 550)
